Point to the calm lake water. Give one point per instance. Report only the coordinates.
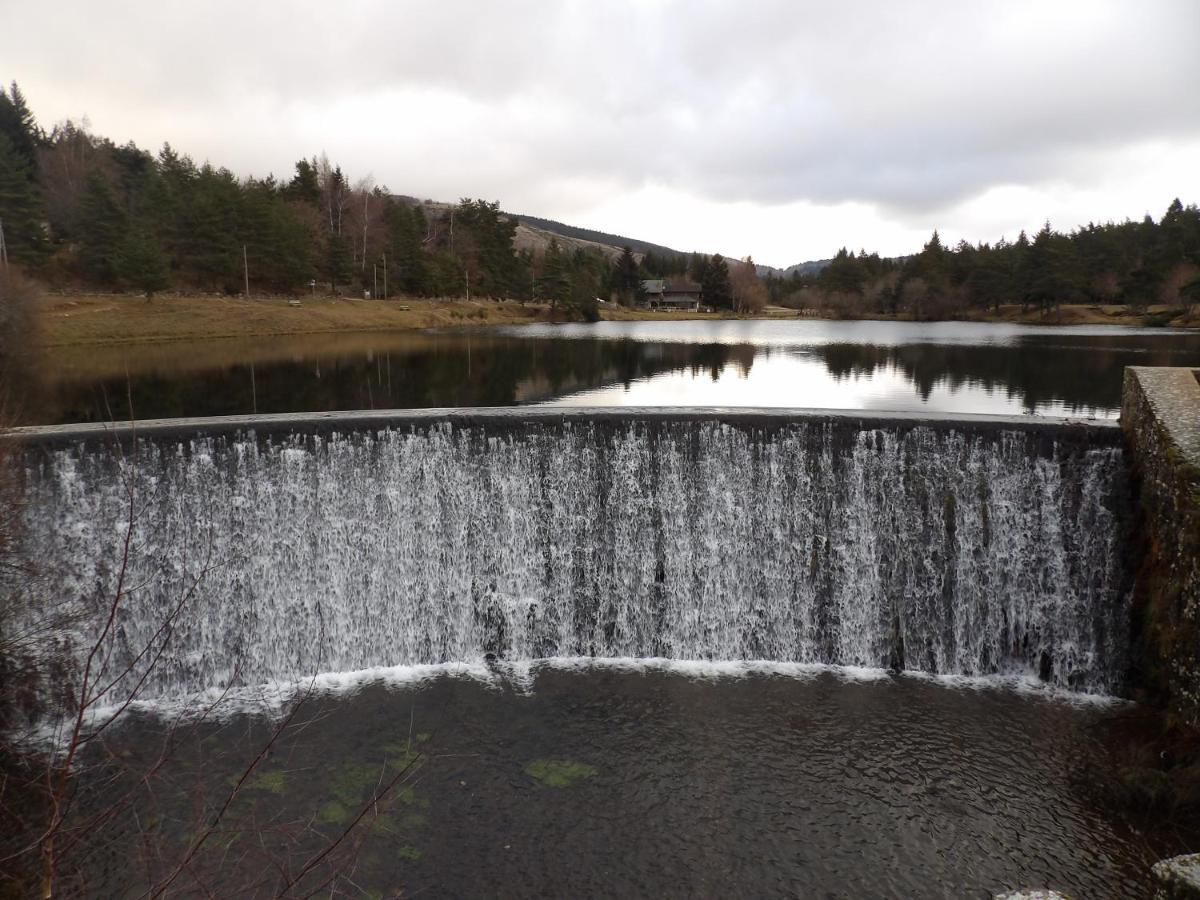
(951, 367)
(628, 781)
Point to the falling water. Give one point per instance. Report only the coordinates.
(971, 551)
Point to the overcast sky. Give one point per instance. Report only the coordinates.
(782, 129)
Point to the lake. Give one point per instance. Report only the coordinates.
(950, 367)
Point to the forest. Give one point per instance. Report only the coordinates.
(1138, 264)
(78, 210)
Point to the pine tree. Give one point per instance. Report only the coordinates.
(1140, 287)
(141, 262)
(305, 186)
(555, 285)
(626, 278)
(338, 265)
(718, 293)
(21, 211)
(18, 124)
(845, 274)
(102, 229)
(1050, 267)
(408, 269)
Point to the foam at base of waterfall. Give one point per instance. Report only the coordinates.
(274, 699)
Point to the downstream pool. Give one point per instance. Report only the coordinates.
(632, 780)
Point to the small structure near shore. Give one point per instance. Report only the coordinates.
(680, 295)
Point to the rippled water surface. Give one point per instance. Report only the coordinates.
(951, 367)
(616, 781)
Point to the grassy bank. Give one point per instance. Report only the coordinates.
(89, 320)
(113, 318)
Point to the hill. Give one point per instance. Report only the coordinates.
(812, 267)
(594, 238)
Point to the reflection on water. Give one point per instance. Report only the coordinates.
(940, 367)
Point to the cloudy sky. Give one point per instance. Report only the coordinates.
(783, 129)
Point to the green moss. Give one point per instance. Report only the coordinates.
(261, 780)
(559, 772)
(351, 784)
(267, 781)
(333, 813)
(401, 755)
(408, 852)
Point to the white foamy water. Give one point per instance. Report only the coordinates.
(712, 547)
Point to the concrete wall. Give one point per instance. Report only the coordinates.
(1160, 415)
(1089, 432)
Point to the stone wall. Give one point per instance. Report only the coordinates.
(1160, 415)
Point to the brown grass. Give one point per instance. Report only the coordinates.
(114, 318)
(90, 319)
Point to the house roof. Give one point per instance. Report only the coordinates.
(681, 287)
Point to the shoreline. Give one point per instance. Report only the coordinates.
(93, 320)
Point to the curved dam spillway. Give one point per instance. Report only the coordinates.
(346, 542)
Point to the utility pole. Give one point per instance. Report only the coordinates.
(375, 272)
(385, 293)
(246, 270)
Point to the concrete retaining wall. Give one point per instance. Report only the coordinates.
(1160, 415)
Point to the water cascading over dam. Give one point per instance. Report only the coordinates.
(972, 548)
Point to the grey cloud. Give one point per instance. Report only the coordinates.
(913, 107)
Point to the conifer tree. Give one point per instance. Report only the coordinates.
(102, 228)
(555, 285)
(627, 280)
(141, 262)
(21, 211)
(338, 265)
(718, 292)
(19, 125)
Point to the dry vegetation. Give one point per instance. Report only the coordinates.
(91, 319)
(117, 318)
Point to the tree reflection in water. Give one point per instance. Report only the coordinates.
(1061, 372)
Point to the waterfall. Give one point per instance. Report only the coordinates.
(963, 550)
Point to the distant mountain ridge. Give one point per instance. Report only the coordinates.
(618, 242)
(535, 233)
(812, 267)
(595, 237)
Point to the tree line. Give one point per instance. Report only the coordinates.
(1138, 264)
(76, 208)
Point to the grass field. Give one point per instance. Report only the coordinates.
(88, 320)
(109, 319)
